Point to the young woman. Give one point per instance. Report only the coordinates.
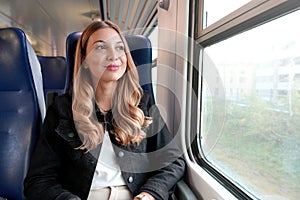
(106, 140)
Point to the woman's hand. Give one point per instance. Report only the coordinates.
(144, 196)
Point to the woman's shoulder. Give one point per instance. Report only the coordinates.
(63, 105)
(146, 99)
(65, 98)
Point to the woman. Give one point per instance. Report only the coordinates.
(108, 141)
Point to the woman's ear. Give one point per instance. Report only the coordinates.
(84, 64)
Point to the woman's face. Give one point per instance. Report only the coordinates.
(106, 58)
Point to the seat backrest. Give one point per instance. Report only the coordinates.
(141, 51)
(20, 111)
(55, 73)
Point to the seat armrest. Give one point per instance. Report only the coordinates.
(183, 192)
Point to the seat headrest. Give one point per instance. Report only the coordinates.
(141, 52)
(55, 73)
(71, 43)
(12, 57)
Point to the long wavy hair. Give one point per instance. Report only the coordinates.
(128, 118)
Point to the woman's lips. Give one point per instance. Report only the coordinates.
(113, 67)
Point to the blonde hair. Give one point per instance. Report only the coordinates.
(128, 118)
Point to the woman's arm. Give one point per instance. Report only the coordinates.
(165, 156)
(168, 166)
(42, 181)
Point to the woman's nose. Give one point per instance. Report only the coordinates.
(112, 55)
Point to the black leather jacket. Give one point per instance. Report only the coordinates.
(60, 171)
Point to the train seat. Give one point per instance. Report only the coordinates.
(140, 49)
(141, 52)
(71, 43)
(55, 73)
(21, 110)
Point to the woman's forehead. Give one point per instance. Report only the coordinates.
(105, 35)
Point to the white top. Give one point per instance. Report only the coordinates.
(107, 171)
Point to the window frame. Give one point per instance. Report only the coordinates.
(245, 18)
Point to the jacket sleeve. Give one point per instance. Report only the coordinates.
(41, 181)
(166, 157)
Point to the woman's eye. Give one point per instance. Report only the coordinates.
(100, 47)
(120, 48)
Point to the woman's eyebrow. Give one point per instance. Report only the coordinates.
(98, 41)
(118, 42)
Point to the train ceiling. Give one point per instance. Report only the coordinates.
(48, 23)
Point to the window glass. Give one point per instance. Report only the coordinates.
(250, 128)
(217, 9)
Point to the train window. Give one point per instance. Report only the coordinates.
(250, 109)
(212, 13)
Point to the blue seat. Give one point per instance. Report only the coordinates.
(141, 52)
(21, 109)
(71, 43)
(55, 73)
(140, 49)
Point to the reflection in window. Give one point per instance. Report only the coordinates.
(250, 132)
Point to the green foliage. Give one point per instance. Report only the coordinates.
(259, 139)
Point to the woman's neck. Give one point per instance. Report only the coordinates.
(104, 96)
